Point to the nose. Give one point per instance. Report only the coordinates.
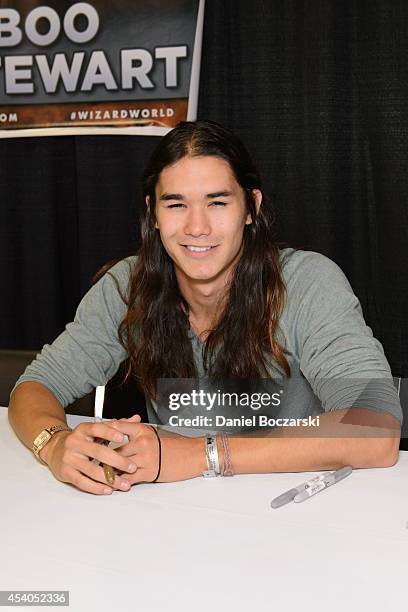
(197, 223)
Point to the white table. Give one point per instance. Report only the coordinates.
(205, 545)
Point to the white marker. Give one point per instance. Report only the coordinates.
(315, 485)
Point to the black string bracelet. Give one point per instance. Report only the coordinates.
(159, 442)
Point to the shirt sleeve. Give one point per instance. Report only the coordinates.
(337, 352)
(88, 353)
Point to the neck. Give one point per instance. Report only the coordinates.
(205, 300)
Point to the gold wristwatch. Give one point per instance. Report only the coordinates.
(44, 437)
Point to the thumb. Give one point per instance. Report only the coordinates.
(135, 418)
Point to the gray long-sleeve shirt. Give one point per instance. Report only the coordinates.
(335, 361)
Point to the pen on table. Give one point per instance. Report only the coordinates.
(287, 496)
(315, 486)
(302, 491)
(109, 471)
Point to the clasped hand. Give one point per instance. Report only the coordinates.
(70, 455)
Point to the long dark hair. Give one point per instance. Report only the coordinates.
(155, 328)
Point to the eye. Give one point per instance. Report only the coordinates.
(217, 203)
(178, 205)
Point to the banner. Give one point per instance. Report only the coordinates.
(129, 66)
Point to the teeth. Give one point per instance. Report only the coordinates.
(198, 249)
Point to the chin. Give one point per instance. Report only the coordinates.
(201, 277)
(197, 275)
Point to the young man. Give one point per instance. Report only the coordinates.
(212, 295)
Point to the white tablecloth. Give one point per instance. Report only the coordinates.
(205, 545)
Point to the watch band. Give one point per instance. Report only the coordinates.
(211, 455)
(44, 437)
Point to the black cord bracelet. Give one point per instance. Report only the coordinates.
(159, 442)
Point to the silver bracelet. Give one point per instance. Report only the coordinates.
(211, 455)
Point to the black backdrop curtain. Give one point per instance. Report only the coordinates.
(318, 92)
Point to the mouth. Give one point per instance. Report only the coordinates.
(197, 249)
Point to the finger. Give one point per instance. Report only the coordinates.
(86, 484)
(129, 427)
(107, 455)
(131, 449)
(139, 444)
(96, 472)
(136, 418)
(105, 431)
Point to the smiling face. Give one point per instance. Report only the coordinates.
(201, 216)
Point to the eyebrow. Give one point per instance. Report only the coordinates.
(178, 196)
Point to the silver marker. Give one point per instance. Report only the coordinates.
(288, 496)
(322, 482)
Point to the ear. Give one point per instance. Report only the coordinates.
(147, 200)
(258, 201)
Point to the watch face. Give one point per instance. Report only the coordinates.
(43, 437)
